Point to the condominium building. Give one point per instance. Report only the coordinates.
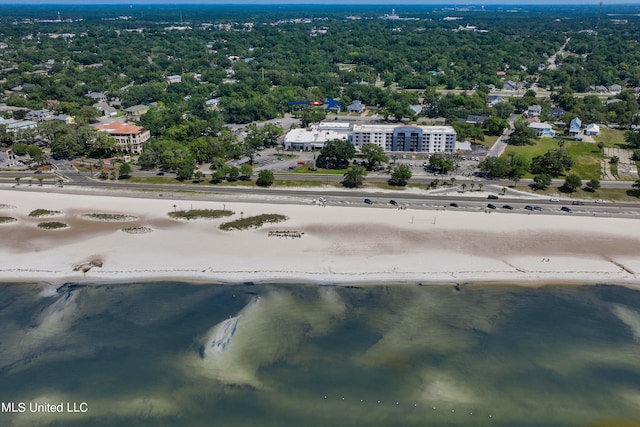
(129, 138)
(428, 139)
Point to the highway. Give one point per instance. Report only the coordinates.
(334, 197)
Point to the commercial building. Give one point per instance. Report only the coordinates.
(428, 139)
(129, 137)
(312, 138)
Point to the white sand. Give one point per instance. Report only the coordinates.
(339, 244)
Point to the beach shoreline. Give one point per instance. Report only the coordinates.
(334, 245)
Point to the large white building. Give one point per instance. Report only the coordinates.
(427, 139)
(314, 137)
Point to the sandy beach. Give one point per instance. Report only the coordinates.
(336, 244)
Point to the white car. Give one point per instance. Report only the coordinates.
(599, 201)
(554, 199)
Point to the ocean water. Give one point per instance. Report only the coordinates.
(308, 355)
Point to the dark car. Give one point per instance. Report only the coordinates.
(368, 201)
(453, 205)
(508, 207)
(160, 173)
(566, 209)
(529, 207)
(492, 196)
(490, 206)
(393, 202)
(577, 203)
(38, 172)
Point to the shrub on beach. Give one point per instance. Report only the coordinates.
(52, 225)
(42, 212)
(109, 217)
(7, 219)
(200, 213)
(252, 222)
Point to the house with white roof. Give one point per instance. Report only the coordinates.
(543, 130)
(592, 129)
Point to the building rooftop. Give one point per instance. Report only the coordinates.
(120, 128)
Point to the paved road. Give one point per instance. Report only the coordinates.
(501, 143)
(338, 198)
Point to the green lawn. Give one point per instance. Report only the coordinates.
(319, 171)
(613, 138)
(586, 159)
(528, 152)
(608, 194)
(586, 156)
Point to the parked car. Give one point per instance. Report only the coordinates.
(577, 203)
(393, 202)
(453, 205)
(368, 201)
(493, 197)
(566, 209)
(507, 207)
(490, 206)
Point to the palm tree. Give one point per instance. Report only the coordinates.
(472, 185)
(453, 181)
(464, 187)
(480, 187)
(17, 180)
(40, 179)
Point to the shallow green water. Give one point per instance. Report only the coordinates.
(140, 355)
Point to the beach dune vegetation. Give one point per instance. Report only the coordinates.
(200, 214)
(42, 212)
(253, 222)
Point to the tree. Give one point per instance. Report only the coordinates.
(572, 182)
(553, 163)
(495, 125)
(336, 154)
(312, 115)
(198, 176)
(636, 187)
(354, 177)
(495, 167)
(233, 174)
(265, 178)
(441, 162)
(400, 175)
(632, 138)
(124, 170)
(522, 135)
(185, 169)
(593, 185)
(541, 182)
(246, 170)
(374, 154)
